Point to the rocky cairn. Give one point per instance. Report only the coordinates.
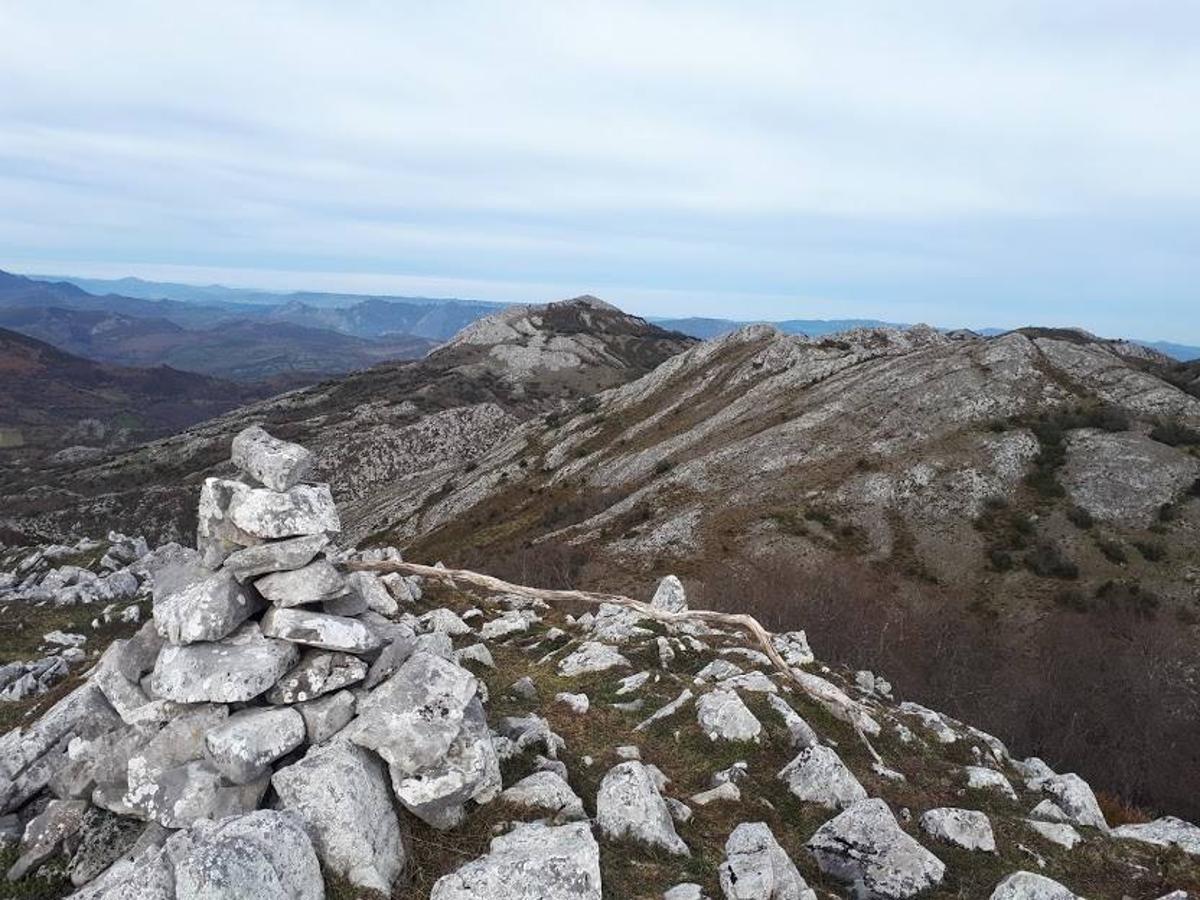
(285, 718)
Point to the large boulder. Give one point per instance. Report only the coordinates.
(757, 868)
(629, 805)
(818, 775)
(243, 747)
(263, 855)
(302, 626)
(267, 514)
(865, 847)
(277, 464)
(533, 862)
(206, 610)
(670, 596)
(340, 793)
(427, 723)
(232, 670)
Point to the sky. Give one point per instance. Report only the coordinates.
(991, 163)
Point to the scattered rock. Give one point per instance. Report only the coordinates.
(965, 828)
(592, 656)
(1164, 832)
(629, 805)
(757, 868)
(1030, 886)
(818, 775)
(985, 779)
(724, 717)
(546, 791)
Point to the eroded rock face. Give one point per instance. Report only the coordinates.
(533, 862)
(865, 846)
(276, 464)
(235, 669)
(629, 805)
(757, 868)
(341, 794)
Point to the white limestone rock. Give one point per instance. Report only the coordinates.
(1031, 886)
(985, 779)
(663, 712)
(232, 670)
(793, 647)
(1164, 832)
(316, 582)
(800, 732)
(217, 535)
(340, 793)
(318, 672)
(547, 791)
(276, 556)
(243, 747)
(1074, 797)
(629, 805)
(670, 596)
(818, 775)
(1056, 832)
(533, 862)
(444, 621)
(326, 716)
(591, 656)
(374, 591)
(577, 703)
(206, 610)
(965, 828)
(757, 868)
(265, 514)
(279, 465)
(723, 716)
(314, 629)
(865, 847)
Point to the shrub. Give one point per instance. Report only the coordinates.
(1112, 551)
(1080, 517)
(1048, 560)
(1001, 560)
(1152, 551)
(663, 466)
(1072, 599)
(1174, 433)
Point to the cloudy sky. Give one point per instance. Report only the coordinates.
(996, 162)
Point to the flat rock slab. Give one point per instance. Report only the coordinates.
(277, 464)
(341, 794)
(314, 583)
(301, 626)
(206, 610)
(305, 509)
(865, 847)
(534, 861)
(232, 670)
(243, 747)
(318, 672)
(276, 556)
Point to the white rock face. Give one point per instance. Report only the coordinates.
(533, 862)
(818, 775)
(629, 804)
(1056, 832)
(670, 595)
(985, 779)
(724, 717)
(233, 670)
(865, 847)
(277, 556)
(206, 610)
(305, 509)
(591, 656)
(547, 791)
(1030, 886)
(318, 672)
(577, 703)
(314, 583)
(428, 724)
(340, 793)
(1164, 832)
(243, 746)
(966, 828)
(302, 626)
(277, 464)
(1075, 798)
(757, 868)
(264, 855)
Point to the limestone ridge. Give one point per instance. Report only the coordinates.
(287, 719)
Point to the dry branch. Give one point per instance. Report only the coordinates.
(821, 691)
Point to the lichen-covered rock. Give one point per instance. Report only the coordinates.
(723, 716)
(799, 731)
(327, 715)
(1031, 886)
(232, 670)
(302, 626)
(265, 514)
(374, 592)
(818, 775)
(533, 862)
(340, 793)
(277, 464)
(263, 855)
(314, 583)
(206, 610)
(670, 596)
(217, 535)
(1056, 832)
(757, 868)
(629, 805)
(547, 791)
(61, 819)
(965, 828)
(985, 779)
(1074, 797)
(243, 747)
(591, 656)
(1164, 832)
(865, 847)
(318, 672)
(276, 556)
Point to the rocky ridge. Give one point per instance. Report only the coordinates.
(294, 721)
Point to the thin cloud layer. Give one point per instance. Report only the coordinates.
(984, 163)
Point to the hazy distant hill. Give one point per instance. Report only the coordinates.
(710, 328)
